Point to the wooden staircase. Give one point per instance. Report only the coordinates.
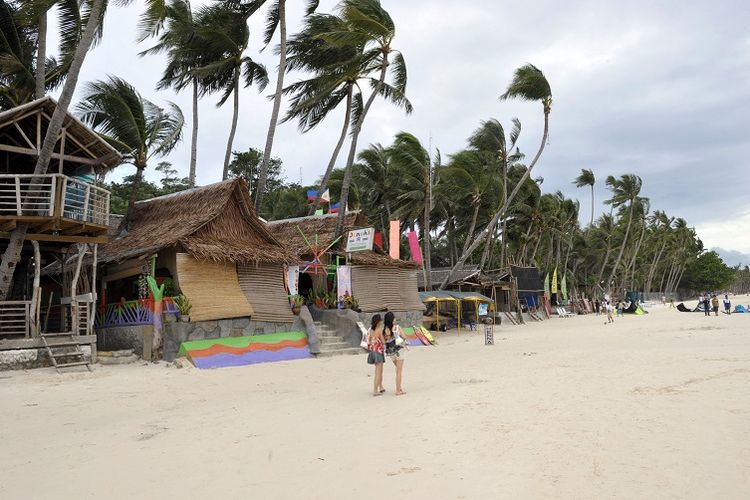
(64, 351)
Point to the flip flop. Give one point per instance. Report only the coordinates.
(382, 391)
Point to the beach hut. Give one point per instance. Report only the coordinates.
(207, 244)
(379, 282)
(66, 215)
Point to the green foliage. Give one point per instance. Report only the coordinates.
(297, 301)
(708, 273)
(183, 305)
(168, 184)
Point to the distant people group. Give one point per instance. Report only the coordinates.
(709, 303)
(384, 339)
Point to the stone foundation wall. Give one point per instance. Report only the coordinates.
(175, 333)
(22, 359)
(344, 322)
(123, 337)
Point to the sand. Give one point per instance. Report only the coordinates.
(654, 406)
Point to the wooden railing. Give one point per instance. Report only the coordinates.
(15, 318)
(53, 195)
(133, 312)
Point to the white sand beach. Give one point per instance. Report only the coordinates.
(654, 406)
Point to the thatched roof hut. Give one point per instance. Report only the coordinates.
(215, 222)
(211, 243)
(379, 282)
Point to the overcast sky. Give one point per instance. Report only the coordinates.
(659, 89)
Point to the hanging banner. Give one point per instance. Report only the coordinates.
(360, 239)
(394, 240)
(546, 286)
(416, 251)
(344, 281)
(564, 288)
(292, 280)
(553, 289)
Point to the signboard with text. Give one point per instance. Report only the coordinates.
(359, 240)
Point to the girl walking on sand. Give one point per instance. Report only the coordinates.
(610, 309)
(394, 350)
(376, 356)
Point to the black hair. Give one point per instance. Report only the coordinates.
(389, 319)
(377, 318)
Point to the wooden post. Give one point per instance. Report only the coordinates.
(86, 202)
(19, 210)
(73, 287)
(92, 316)
(34, 310)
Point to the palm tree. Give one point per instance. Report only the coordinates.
(586, 178)
(224, 35)
(276, 18)
(180, 42)
(415, 165)
(377, 177)
(138, 128)
(529, 84)
(12, 254)
(370, 26)
(335, 71)
(624, 190)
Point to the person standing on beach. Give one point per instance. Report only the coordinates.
(394, 350)
(707, 305)
(715, 304)
(620, 308)
(671, 302)
(597, 306)
(609, 309)
(376, 356)
(727, 305)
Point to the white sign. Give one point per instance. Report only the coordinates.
(360, 239)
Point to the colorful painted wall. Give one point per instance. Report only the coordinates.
(240, 351)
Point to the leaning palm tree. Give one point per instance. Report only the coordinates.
(276, 19)
(625, 190)
(586, 178)
(138, 128)
(93, 13)
(180, 42)
(368, 24)
(528, 84)
(335, 72)
(223, 32)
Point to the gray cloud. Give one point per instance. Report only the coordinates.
(660, 89)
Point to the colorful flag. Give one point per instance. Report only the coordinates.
(394, 240)
(416, 251)
(312, 195)
(553, 289)
(326, 197)
(546, 286)
(378, 239)
(334, 208)
(564, 288)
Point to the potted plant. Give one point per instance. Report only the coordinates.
(184, 306)
(297, 302)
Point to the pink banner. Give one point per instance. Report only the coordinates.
(394, 240)
(416, 251)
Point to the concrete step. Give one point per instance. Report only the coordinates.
(341, 352)
(334, 346)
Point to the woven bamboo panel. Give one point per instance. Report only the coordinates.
(410, 300)
(365, 289)
(263, 287)
(213, 289)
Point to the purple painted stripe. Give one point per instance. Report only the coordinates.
(223, 359)
(414, 342)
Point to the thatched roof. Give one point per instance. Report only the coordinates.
(438, 274)
(320, 230)
(91, 144)
(214, 222)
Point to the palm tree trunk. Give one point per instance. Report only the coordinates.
(346, 183)
(591, 223)
(604, 265)
(336, 151)
(134, 189)
(41, 56)
(473, 225)
(622, 247)
(263, 177)
(194, 138)
(12, 254)
(637, 249)
(654, 265)
(500, 213)
(232, 130)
